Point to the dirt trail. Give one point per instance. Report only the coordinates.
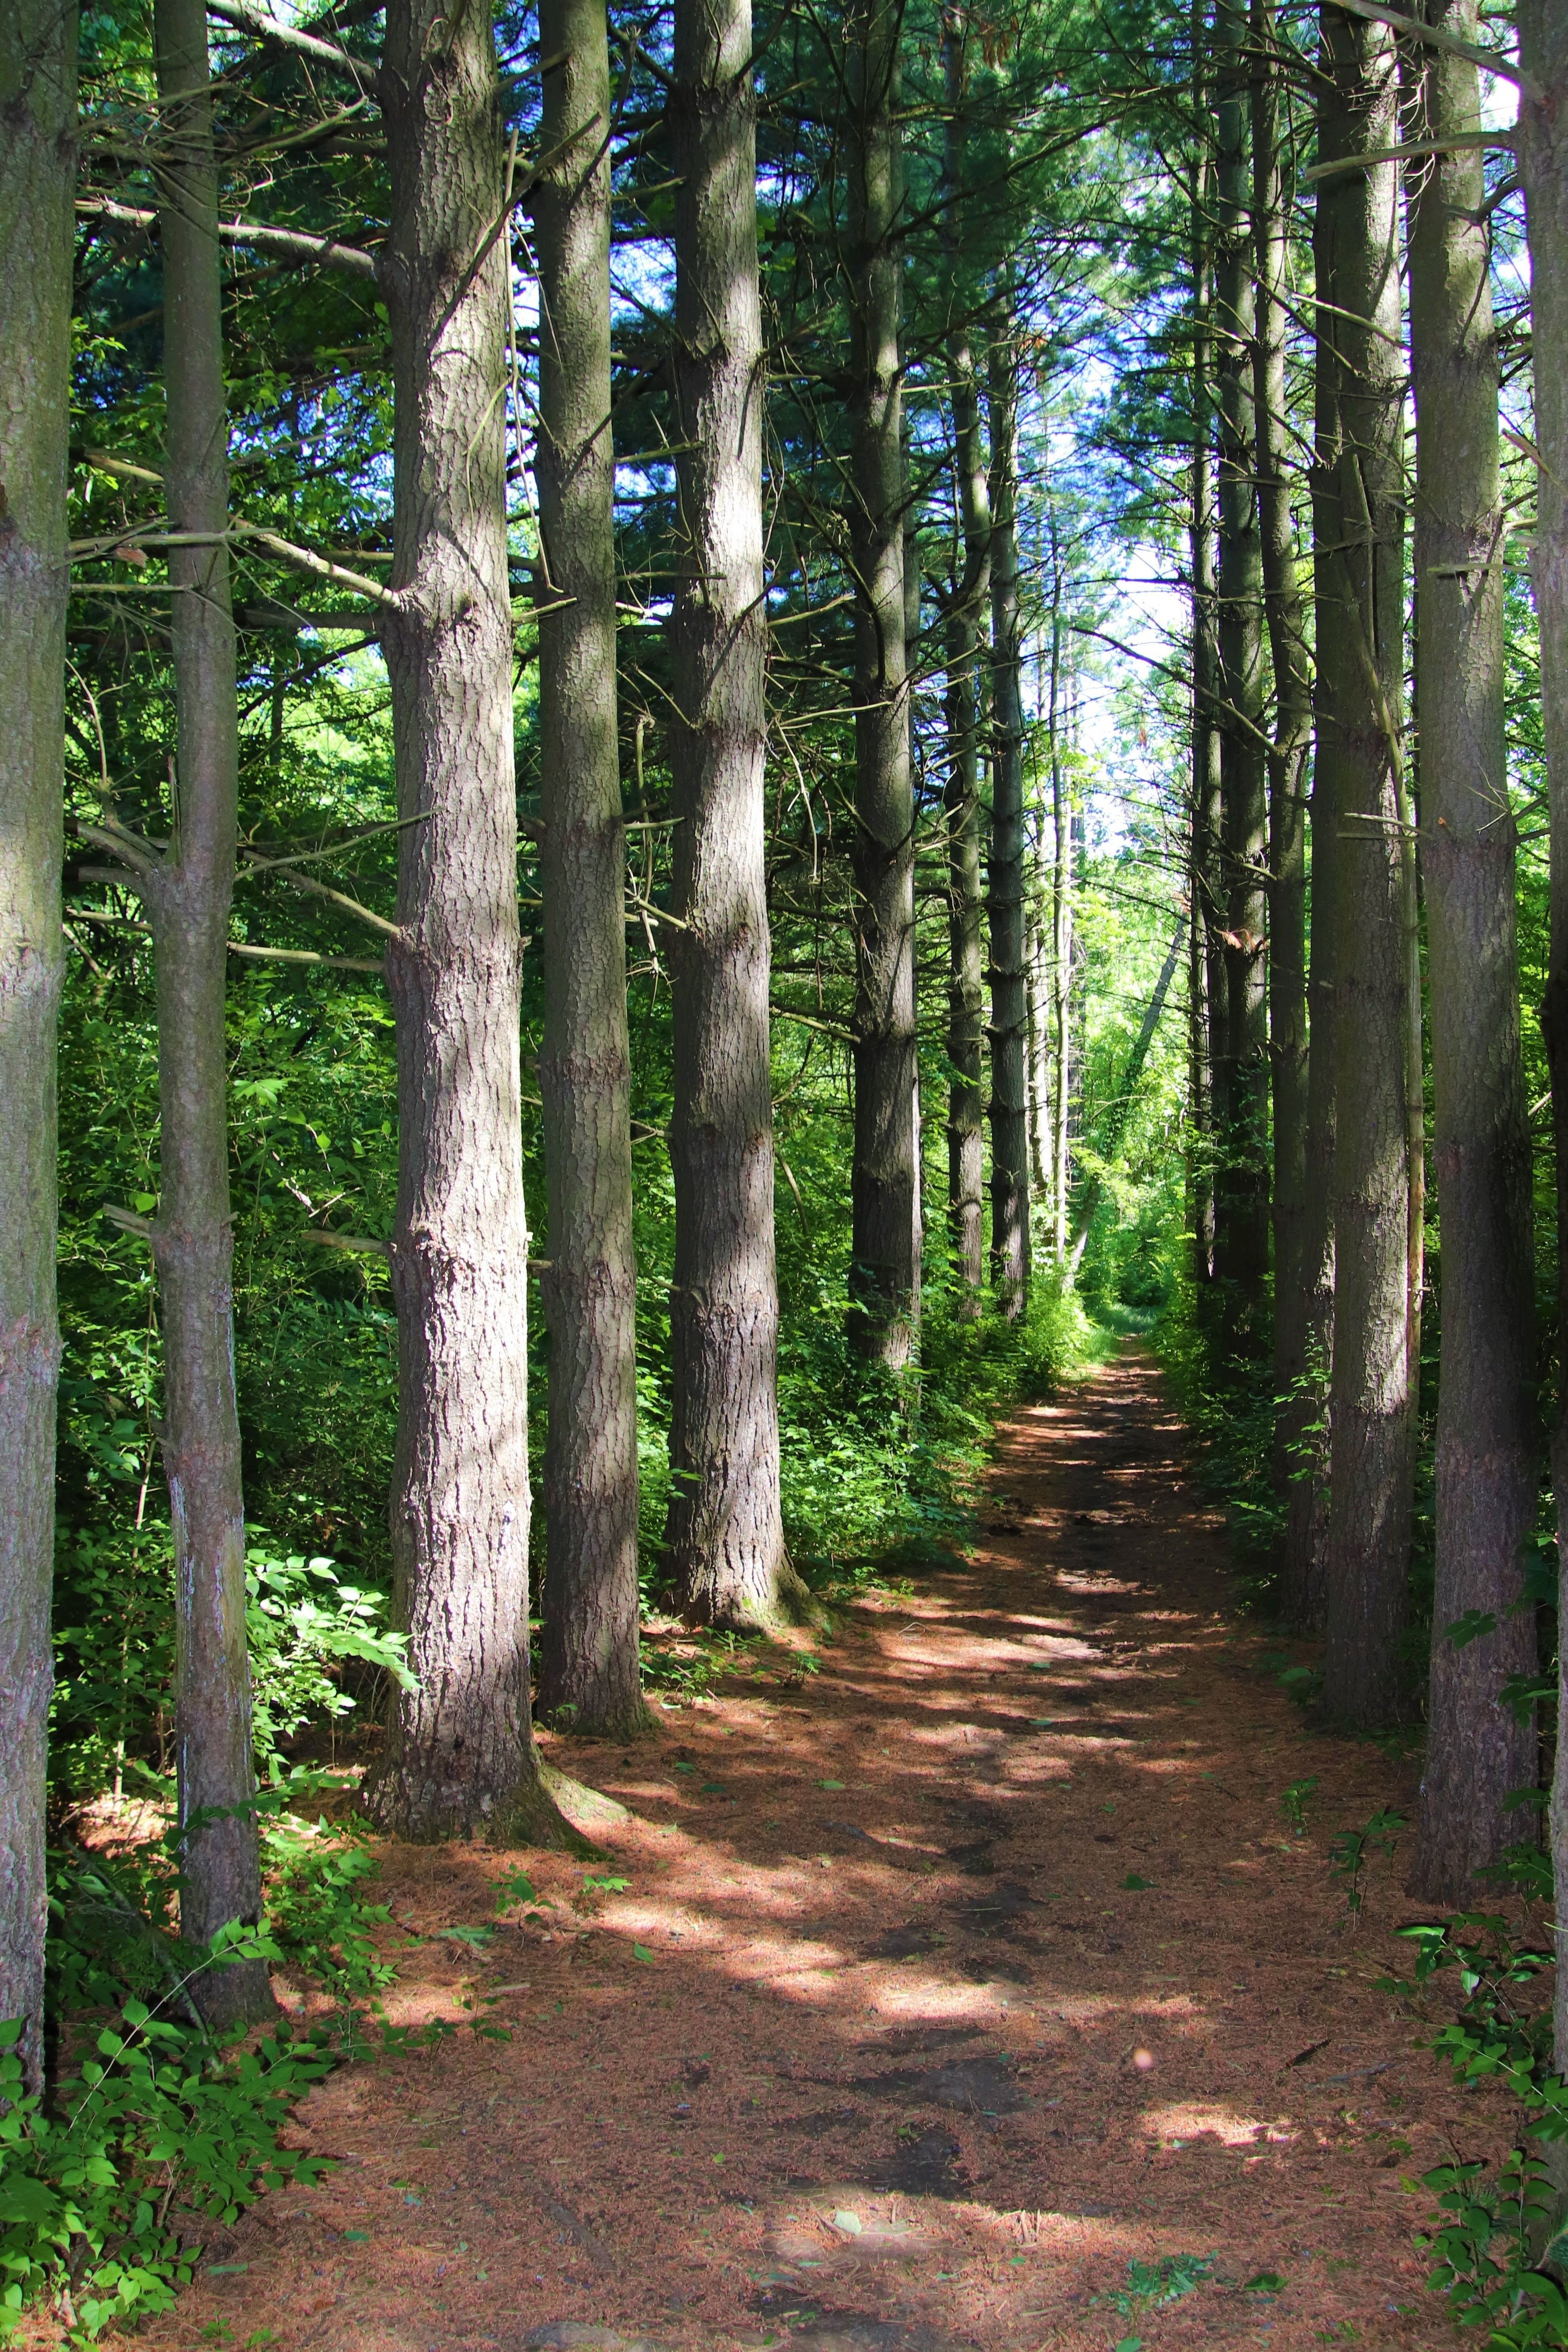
(945, 1988)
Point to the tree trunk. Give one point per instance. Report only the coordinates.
(884, 1274)
(1302, 1435)
(1210, 1023)
(1244, 1141)
(187, 893)
(1287, 764)
(37, 183)
(966, 987)
(1009, 977)
(726, 1539)
(589, 1673)
(960, 794)
(1039, 1029)
(1061, 932)
(1476, 1751)
(1543, 168)
(1370, 1396)
(461, 1755)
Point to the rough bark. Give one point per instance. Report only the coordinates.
(1243, 1237)
(1198, 1191)
(726, 1537)
(1210, 1023)
(460, 1757)
(187, 892)
(1288, 753)
(1005, 901)
(38, 177)
(1303, 1434)
(961, 790)
(1040, 1024)
(1476, 1749)
(1371, 1395)
(884, 1274)
(589, 1676)
(1543, 168)
(967, 982)
(1061, 932)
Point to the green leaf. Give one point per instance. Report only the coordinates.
(830, 1784)
(641, 1952)
(475, 1937)
(514, 1887)
(356, 2237)
(28, 2202)
(1134, 1879)
(1263, 2283)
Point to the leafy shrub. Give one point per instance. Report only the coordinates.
(316, 1911)
(1491, 2256)
(307, 1630)
(302, 1623)
(103, 2196)
(157, 2127)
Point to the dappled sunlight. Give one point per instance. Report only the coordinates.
(947, 1989)
(1184, 2121)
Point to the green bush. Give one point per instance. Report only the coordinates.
(157, 2129)
(104, 2193)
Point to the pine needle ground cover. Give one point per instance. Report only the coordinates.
(979, 1988)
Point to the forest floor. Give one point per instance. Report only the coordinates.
(959, 1995)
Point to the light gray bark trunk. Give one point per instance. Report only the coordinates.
(966, 984)
(1476, 1751)
(37, 183)
(461, 1755)
(726, 1536)
(961, 792)
(589, 1674)
(187, 895)
(885, 1271)
(1210, 1026)
(1061, 930)
(1039, 1029)
(1371, 1393)
(1543, 168)
(1304, 1432)
(1009, 1000)
(1287, 763)
(1243, 1235)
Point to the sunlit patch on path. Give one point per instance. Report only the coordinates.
(983, 1993)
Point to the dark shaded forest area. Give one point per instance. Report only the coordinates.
(729, 736)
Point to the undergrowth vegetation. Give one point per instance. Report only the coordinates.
(152, 2130)
(1497, 2255)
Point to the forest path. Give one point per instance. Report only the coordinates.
(946, 1987)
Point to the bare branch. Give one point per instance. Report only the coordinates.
(251, 19)
(1455, 142)
(304, 955)
(1398, 22)
(327, 250)
(319, 566)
